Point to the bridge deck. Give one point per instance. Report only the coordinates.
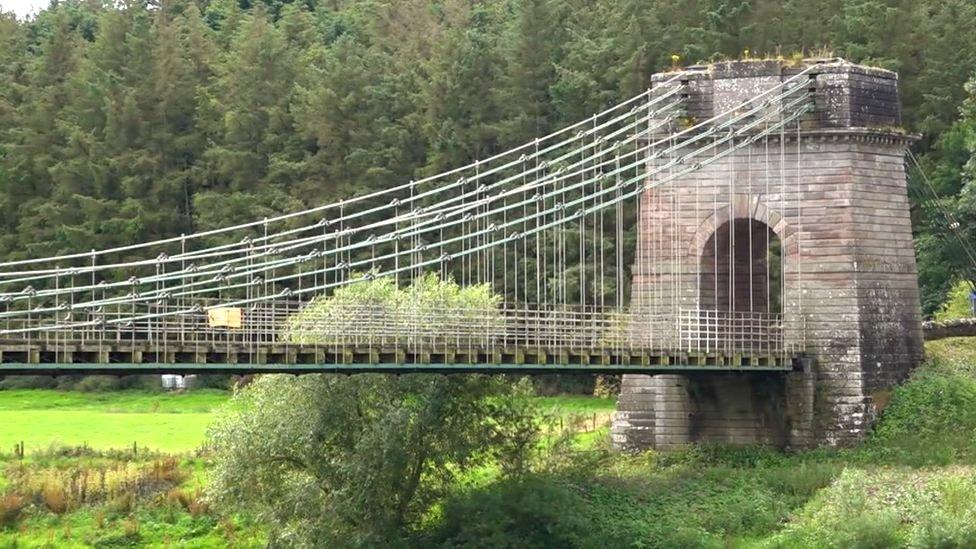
(121, 358)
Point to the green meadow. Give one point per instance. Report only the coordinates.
(167, 422)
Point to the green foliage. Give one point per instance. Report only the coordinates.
(887, 508)
(951, 522)
(948, 209)
(930, 420)
(88, 384)
(499, 495)
(720, 496)
(357, 460)
(126, 121)
(114, 499)
(533, 512)
(430, 309)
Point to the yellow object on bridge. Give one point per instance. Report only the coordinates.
(224, 317)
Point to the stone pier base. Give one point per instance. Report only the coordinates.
(667, 411)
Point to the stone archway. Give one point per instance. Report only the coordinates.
(740, 269)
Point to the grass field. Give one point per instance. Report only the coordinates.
(176, 423)
(167, 422)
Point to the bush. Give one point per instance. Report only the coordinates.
(957, 303)
(358, 460)
(28, 382)
(950, 521)
(96, 384)
(931, 420)
(529, 512)
(726, 455)
(429, 310)
(560, 384)
(192, 502)
(121, 505)
(607, 386)
(91, 384)
(868, 531)
(939, 529)
(801, 481)
(214, 381)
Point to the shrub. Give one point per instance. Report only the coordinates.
(939, 529)
(122, 505)
(728, 455)
(97, 384)
(91, 384)
(98, 520)
(957, 303)
(214, 381)
(531, 512)
(141, 382)
(28, 382)
(11, 507)
(560, 384)
(356, 460)
(950, 521)
(931, 421)
(607, 386)
(60, 486)
(868, 531)
(131, 527)
(801, 481)
(193, 503)
(430, 309)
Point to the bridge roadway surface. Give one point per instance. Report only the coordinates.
(141, 357)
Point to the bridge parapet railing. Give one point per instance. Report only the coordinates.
(709, 330)
(509, 326)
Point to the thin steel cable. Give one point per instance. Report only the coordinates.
(275, 279)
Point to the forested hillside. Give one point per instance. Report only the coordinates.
(134, 121)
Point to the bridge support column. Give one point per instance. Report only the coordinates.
(673, 410)
(830, 190)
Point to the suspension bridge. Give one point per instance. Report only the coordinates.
(737, 217)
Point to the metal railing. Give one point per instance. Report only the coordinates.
(709, 330)
(580, 328)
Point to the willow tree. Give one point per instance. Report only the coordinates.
(359, 461)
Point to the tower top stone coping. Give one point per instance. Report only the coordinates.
(844, 94)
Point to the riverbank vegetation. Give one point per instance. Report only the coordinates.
(911, 484)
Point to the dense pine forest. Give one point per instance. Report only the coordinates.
(134, 120)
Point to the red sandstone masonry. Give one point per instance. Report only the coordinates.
(850, 273)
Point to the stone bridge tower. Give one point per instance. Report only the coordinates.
(832, 197)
